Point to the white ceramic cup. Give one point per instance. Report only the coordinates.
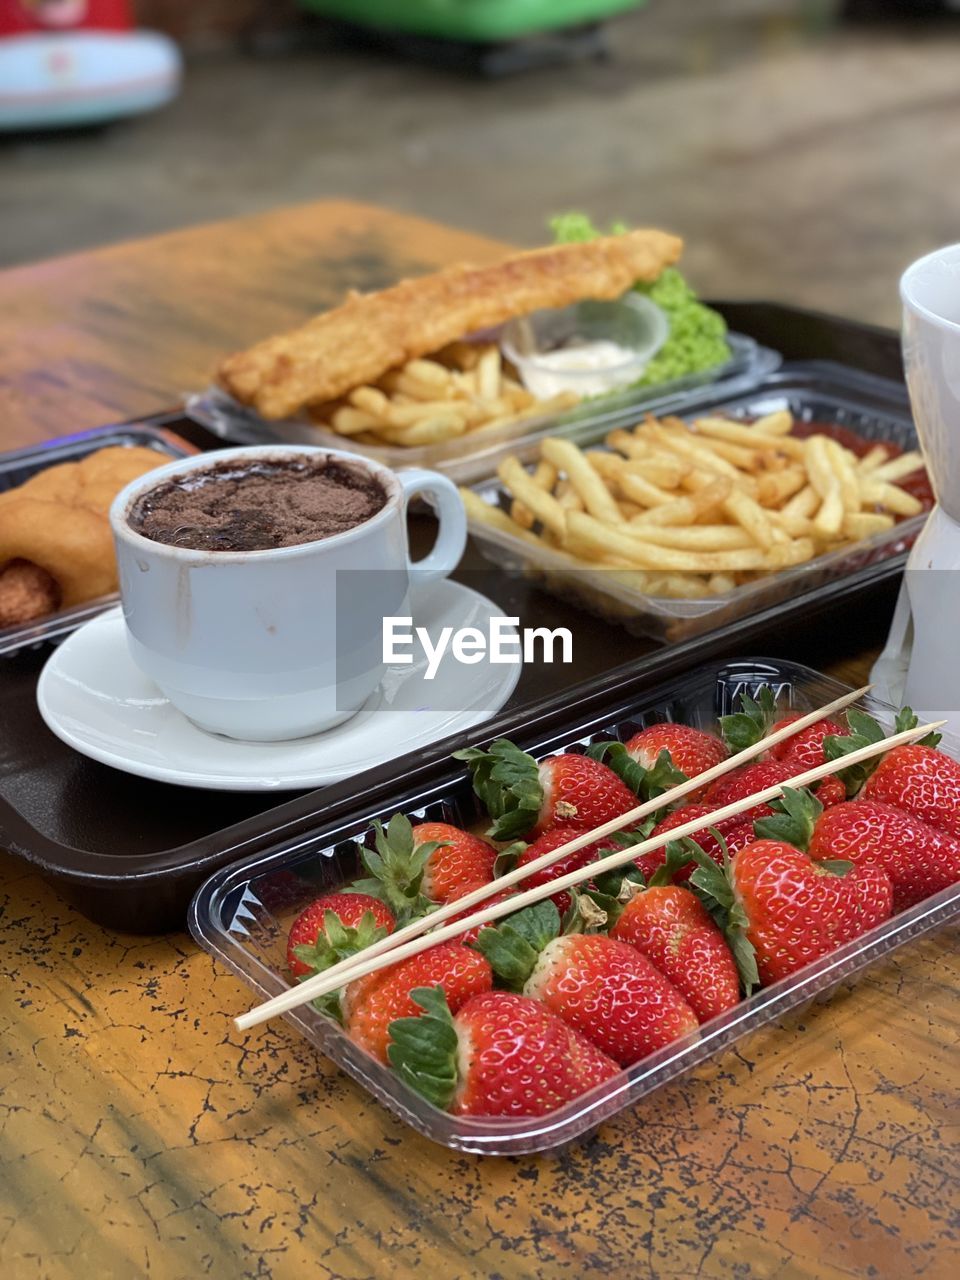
(262, 645)
(930, 293)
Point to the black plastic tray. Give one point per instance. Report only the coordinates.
(130, 853)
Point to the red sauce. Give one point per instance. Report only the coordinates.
(917, 482)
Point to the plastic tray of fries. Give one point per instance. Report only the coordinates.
(242, 914)
(460, 416)
(694, 583)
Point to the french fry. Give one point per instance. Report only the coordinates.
(543, 505)
(371, 400)
(429, 431)
(898, 468)
(829, 519)
(774, 488)
(778, 423)
(350, 422)
(597, 499)
(864, 524)
(874, 458)
(738, 433)
(747, 513)
(890, 497)
(522, 515)
(585, 534)
(844, 468)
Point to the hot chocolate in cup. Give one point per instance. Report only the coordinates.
(250, 631)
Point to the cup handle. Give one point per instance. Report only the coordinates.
(452, 535)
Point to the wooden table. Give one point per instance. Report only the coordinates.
(142, 1135)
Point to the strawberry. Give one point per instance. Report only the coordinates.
(745, 781)
(501, 1055)
(864, 730)
(368, 1005)
(673, 929)
(774, 899)
(603, 988)
(919, 859)
(413, 868)
(921, 780)
(551, 840)
(459, 862)
(736, 832)
(691, 751)
(333, 927)
(805, 748)
(524, 797)
(470, 936)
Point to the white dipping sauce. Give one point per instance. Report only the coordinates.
(570, 368)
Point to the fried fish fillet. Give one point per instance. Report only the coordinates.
(370, 333)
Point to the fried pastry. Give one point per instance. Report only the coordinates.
(56, 548)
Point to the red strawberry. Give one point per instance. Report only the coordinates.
(333, 927)
(459, 862)
(370, 1004)
(921, 780)
(830, 791)
(805, 748)
(413, 868)
(736, 832)
(790, 909)
(919, 859)
(501, 1055)
(551, 840)
(603, 988)
(469, 938)
(671, 927)
(523, 796)
(745, 781)
(692, 751)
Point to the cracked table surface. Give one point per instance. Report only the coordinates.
(142, 1135)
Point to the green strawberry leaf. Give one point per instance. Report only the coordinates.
(615, 756)
(714, 886)
(647, 783)
(837, 866)
(514, 947)
(907, 719)
(396, 869)
(423, 1050)
(609, 884)
(508, 859)
(746, 727)
(676, 856)
(864, 731)
(507, 782)
(796, 814)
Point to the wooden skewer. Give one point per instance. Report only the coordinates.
(322, 983)
(344, 968)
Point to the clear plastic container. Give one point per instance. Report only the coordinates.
(243, 912)
(635, 326)
(821, 391)
(21, 464)
(470, 457)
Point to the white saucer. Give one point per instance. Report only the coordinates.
(93, 697)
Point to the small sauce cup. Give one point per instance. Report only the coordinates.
(605, 345)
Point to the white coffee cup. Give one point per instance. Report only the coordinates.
(930, 292)
(262, 645)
